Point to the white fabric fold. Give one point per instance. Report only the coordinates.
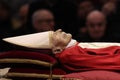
(97, 45)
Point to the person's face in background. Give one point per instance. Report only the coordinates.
(43, 21)
(109, 8)
(84, 8)
(96, 26)
(4, 12)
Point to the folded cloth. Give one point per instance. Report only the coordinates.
(30, 65)
(93, 75)
(77, 59)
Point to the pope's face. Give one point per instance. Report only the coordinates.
(60, 40)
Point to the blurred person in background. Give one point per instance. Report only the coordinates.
(112, 11)
(5, 16)
(84, 8)
(97, 28)
(23, 12)
(100, 3)
(43, 20)
(16, 4)
(109, 8)
(5, 25)
(19, 22)
(41, 12)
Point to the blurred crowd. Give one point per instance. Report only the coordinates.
(86, 20)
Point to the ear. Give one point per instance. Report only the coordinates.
(57, 50)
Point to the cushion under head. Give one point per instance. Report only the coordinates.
(28, 55)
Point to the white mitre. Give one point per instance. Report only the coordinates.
(36, 40)
(40, 40)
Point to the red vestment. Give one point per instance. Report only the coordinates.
(77, 58)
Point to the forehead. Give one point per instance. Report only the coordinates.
(43, 14)
(96, 18)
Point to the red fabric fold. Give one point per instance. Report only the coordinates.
(80, 59)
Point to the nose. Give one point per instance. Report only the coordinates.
(96, 27)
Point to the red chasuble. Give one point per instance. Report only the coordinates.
(77, 58)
